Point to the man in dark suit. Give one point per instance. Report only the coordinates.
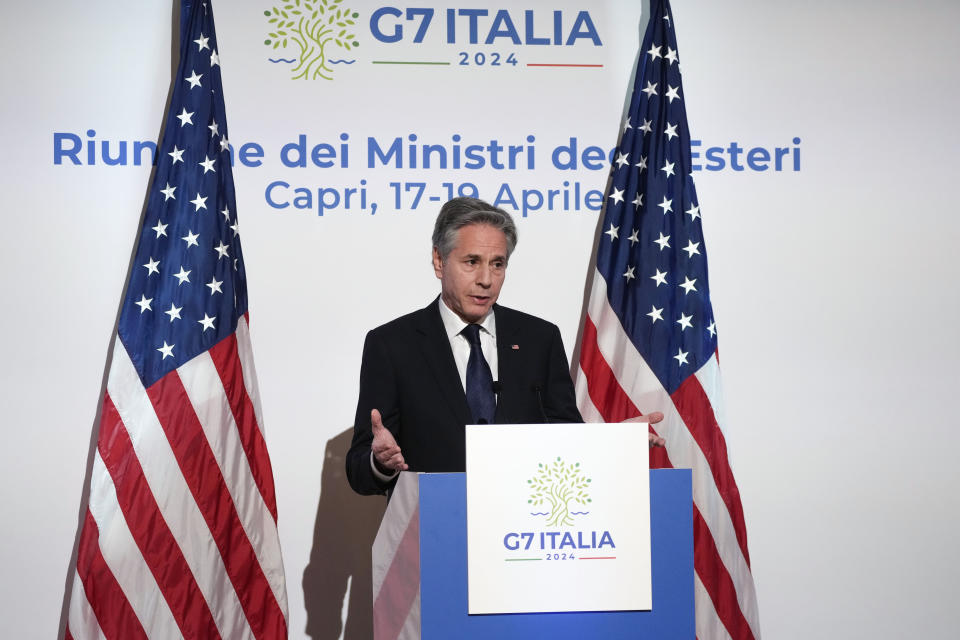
(461, 360)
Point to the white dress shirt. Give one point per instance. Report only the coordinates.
(461, 347)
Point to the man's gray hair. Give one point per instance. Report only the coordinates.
(460, 212)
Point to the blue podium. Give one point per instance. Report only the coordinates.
(420, 571)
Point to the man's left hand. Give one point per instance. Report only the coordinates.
(651, 418)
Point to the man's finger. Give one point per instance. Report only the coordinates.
(385, 450)
(396, 462)
(652, 418)
(393, 462)
(376, 422)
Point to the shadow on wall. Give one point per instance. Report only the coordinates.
(343, 535)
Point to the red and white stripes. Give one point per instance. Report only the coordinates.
(180, 538)
(396, 565)
(613, 382)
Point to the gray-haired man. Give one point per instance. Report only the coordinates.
(461, 360)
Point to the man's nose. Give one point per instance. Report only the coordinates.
(485, 275)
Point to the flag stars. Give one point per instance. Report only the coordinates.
(166, 350)
(633, 237)
(161, 228)
(224, 144)
(182, 276)
(235, 227)
(194, 79)
(612, 232)
(174, 312)
(666, 205)
(622, 160)
(202, 43)
(617, 195)
(642, 164)
(177, 154)
(144, 303)
(199, 202)
(207, 322)
(626, 125)
(223, 250)
(712, 329)
(660, 277)
(214, 59)
(654, 52)
(670, 131)
(168, 192)
(693, 212)
(672, 93)
(214, 285)
(684, 322)
(191, 239)
(663, 241)
(638, 201)
(629, 275)
(655, 314)
(207, 165)
(226, 214)
(185, 117)
(667, 168)
(681, 357)
(214, 128)
(692, 248)
(152, 266)
(651, 89)
(671, 55)
(645, 127)
(688, 285)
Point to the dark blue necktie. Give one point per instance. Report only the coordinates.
(480, 396)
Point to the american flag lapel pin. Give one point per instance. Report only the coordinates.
(515, 347)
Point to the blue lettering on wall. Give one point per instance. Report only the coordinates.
(473, 26)
(409, 152)
(757, 158)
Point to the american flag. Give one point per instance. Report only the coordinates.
(179, 538)
(650, 339)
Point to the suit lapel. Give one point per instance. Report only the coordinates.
(507, 358)
(436, 351)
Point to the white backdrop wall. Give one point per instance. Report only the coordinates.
(834, 285)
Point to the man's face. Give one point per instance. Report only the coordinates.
(471, 276)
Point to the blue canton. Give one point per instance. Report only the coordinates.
(187, 287)
(652, 253)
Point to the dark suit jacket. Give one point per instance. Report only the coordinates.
(409, 374)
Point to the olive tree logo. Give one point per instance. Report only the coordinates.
(314, 27)
(559, 485)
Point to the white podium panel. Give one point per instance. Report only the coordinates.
(558, 518)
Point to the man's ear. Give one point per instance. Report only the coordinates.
(437, 263)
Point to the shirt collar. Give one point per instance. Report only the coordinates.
(453, 324)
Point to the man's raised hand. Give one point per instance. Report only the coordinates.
(386, 451)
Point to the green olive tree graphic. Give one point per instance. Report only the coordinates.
(313, 26)
(558, 485)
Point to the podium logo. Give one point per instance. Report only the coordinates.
(317, 32)
(561, 487)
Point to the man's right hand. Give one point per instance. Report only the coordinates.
(386, 451)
